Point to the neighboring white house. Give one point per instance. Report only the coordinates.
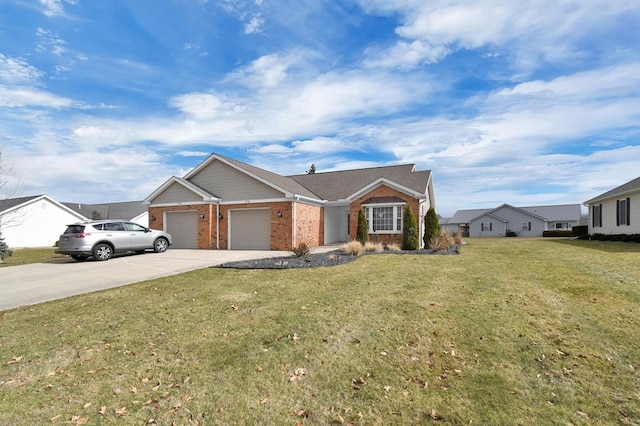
(35, 221)
(616, 211)
(529, 221)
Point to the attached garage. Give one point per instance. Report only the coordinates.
(183, 227)
(250, 229)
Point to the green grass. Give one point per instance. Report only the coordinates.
(512, 331)
(31, 255)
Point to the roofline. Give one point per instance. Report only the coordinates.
(190, 186)
(214, 156)
(40, 197)
(618, 195)
(385, 181)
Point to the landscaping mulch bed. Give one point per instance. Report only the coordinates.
(332, 258)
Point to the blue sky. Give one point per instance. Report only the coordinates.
(526, 103)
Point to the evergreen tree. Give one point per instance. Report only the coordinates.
(431, 226)
(410, 238)
(312, 170)
(362, 233)
(5, 251)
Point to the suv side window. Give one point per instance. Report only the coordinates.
(134, 227)
(113, 226)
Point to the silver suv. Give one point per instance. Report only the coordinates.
(101, 239)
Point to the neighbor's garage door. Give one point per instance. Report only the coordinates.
(251, 229)
(183, 227)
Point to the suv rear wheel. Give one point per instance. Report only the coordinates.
(102, 251)
(160, 245)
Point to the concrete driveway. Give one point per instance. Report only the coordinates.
(40, 282)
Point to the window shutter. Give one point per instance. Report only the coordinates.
(490, 226)
(593, 216)
(529, 226)
(599, 214)
(617, 212)
(628, 211)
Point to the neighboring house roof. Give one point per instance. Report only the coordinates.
(341, 185)
(553, 213)
(624, 189)
(10, 204)
(124, 210)
(465, 216)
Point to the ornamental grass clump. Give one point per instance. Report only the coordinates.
(301, 249)
(352, 248)
(393, 247)
(441, 243)
(371, 247)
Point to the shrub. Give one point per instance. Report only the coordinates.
(362, 233)
(352, 248)
(393, 247)
(510, 233)
(441, 242)
(302, 249)
(5, 251)
(431, 226)
(579, 230)
(372, 247)
(410, 237)
(554, 233)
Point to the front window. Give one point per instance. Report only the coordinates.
(526, 226)
(384, 219)
(597, 215)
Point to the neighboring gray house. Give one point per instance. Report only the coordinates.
(529, 221)
(616, 211)
(134, 211)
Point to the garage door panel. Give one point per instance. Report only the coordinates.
(251, 229)
(183, 227)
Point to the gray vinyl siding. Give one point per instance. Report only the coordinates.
(497, 226)
(232, 185)
(609, 225)
(515, 219)
(176, 193)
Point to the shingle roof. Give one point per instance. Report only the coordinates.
(568, 212)
(631, 186)
(10, 203)
(126, 210)
(341, 184)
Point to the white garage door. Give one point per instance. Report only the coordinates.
(251, 229)
(183, 227)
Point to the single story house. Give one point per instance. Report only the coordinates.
(524, 221)
(227, 204)
(133, 211)
(35, 221)
(616, 211)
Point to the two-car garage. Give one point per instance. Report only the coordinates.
(249, 229)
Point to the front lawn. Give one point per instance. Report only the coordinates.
(31, 255)
(512, 331)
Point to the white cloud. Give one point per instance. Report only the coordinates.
(255, 25)
(17, 71)
(21, 96)
(50, 41)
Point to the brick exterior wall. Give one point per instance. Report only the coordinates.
(309, 225)
(383, 191)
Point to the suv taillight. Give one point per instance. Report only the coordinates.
(82, 234)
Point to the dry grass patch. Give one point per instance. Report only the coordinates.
(441, 242)
(514, 331)
(352, 248)
(371, 247)
(393, 247)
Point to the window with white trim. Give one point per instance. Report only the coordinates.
(384, 219)
(486, 226)
(525, 226)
